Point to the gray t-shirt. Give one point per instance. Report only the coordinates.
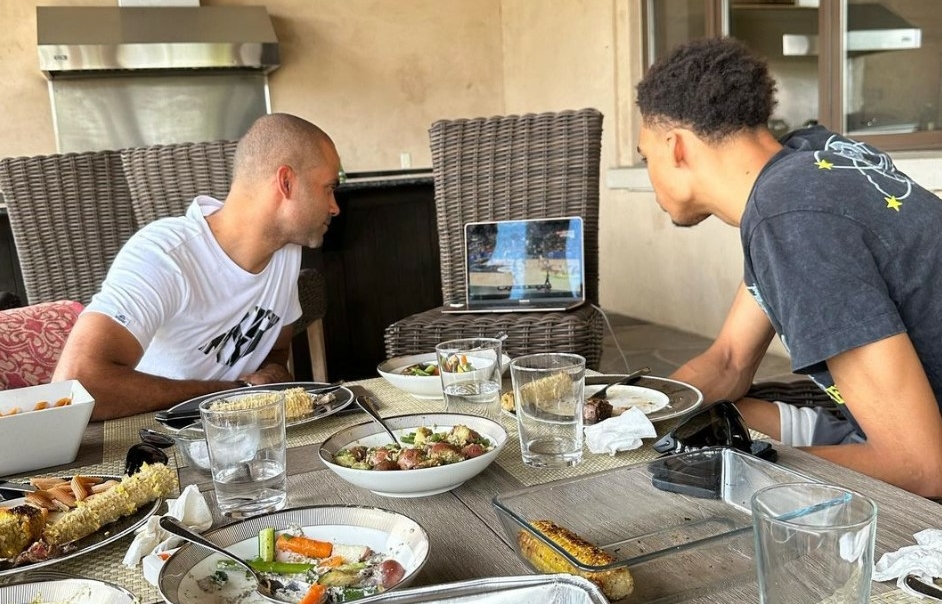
(842, 250)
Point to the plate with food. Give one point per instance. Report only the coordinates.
(329, 553)
(417, 374)
(46, 526)
(659, 398)
(437, 452)
(55, 588)
(305, 402)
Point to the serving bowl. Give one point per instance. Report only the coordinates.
(56, 430)
(420, 386)
(418, 482)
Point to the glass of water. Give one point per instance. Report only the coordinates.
(470, 372)
(245, 435)
(548, 400)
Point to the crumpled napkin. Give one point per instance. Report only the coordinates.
(620, 433)
(190, 509)
(923, 560)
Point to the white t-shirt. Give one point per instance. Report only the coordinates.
(195, 312)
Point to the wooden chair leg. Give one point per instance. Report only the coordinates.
(315, 342)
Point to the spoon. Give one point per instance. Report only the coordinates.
(628, 379)
(264, 587)
(366, 403)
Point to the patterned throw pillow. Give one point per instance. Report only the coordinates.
(31, 340)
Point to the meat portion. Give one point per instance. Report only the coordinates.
(596, 410)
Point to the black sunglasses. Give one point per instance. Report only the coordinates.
(720, 425)
(149, 451)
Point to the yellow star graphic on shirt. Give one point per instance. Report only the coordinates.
(892, 202)
(824, 164)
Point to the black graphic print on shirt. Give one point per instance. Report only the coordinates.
(242, 338)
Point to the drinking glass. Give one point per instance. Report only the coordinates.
(548, 400)
(814, 543)
(470, 372)
(245, 435)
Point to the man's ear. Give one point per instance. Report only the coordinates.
(284, 180)
(677, 146)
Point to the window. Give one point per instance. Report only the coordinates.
(869, 68)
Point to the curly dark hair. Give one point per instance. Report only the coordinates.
(714, 86)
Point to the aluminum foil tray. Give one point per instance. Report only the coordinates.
(681, 524)
(547, 589)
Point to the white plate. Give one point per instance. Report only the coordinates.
(102, 537)
(382, 530)
(420, 386)
(681, 398)
(71, 590)
(623, 398)
(342, 399)
(413, 483)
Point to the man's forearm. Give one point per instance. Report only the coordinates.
(908, 474)
(716, 380)
(120, 391)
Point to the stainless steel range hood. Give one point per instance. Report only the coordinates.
(870, 28)
(86, 40)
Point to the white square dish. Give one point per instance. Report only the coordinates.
(32, 440)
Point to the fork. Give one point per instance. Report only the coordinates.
(632, 377)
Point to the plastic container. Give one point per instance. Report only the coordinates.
(681, 524)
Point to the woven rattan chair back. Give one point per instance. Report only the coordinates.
(70, 214)
(164, 179)
(512, 167)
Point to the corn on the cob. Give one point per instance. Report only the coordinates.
(615, 584)
(19, 526)
(298, 402)
(131, 493)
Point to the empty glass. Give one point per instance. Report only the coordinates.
(814, 543)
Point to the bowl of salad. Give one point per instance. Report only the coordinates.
(417, 374)
(436, 453)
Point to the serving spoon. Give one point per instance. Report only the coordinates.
(632, 377)
(366, 403)
(264, 586)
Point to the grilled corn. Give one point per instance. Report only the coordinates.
(91, 514)
(19, 526)
(298, 403)
(615, 584)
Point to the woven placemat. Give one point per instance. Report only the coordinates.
(895, 597)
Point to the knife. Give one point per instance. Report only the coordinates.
(7, 486)
(927, 589)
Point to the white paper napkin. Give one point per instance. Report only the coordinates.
(620, 433)
(923, 560)
(190, 509)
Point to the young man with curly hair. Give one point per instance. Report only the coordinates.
(842, 259)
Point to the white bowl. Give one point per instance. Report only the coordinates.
(419, 386)
(420, 482)
(39, 439)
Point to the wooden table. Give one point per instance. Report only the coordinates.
(467, 540)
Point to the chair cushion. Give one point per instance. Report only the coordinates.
(31, 340)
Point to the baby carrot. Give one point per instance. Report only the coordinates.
(332, 562)
(316, 595)
(305, 546)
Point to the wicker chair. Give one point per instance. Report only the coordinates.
(164, 179)
(502, 168)
(70, 214)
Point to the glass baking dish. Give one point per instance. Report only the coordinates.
(681, 524)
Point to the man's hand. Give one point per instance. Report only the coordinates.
(274, 369)
(726, 369)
